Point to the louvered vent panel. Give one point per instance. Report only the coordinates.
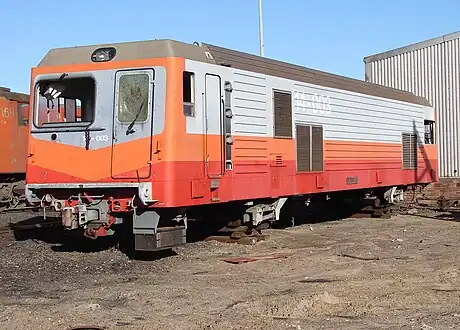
(317, 148)
(303, 148)
(279, 160)
(283, 114)
(409, 146)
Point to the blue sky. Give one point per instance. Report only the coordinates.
(329, 35)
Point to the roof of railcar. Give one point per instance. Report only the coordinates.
(138, 50)
(6, 93)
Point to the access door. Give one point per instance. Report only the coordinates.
(213, 126)
(133, 124)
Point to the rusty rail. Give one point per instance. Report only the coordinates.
(15, 227)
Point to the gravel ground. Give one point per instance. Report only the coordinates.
(410, 279)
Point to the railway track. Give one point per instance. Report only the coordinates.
(450, 215)
(4, 230)
(19, 209)
(237, 232)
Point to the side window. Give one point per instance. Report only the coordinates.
(429, 132)
(409, 146)
(23, 114)
(309, 145)
(188, 90)
(282, 106)
(133, 97)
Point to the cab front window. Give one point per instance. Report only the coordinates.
(64, 101)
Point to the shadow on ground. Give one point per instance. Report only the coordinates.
(297, 212)
(49, 231)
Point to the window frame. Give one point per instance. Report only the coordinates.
(150, 73)
(21, 120)
(431, 124)
(35, 107)
(192, 81)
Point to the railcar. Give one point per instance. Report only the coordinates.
(14, 115)
(167, 128)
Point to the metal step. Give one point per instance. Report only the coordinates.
(164, 238)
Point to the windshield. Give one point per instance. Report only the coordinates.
(133, 98)
(62, 101)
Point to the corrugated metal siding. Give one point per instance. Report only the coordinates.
(431, 72)
(249, 104)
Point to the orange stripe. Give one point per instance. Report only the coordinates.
(96, 163)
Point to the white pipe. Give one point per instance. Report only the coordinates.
(261, 31)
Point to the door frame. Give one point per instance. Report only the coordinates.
(118, 126)
(221, 128)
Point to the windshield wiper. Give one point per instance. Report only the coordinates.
(52, 91)
(130, 129)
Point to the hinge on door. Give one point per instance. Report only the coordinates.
(157, 149)
(87, 139)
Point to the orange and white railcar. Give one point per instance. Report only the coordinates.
(167, 127)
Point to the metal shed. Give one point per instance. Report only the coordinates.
(430, 69)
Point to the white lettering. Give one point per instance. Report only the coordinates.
(7, 112)
(316, 103)
(98, 138)
(102, 138)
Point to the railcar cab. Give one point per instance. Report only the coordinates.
(95, 113)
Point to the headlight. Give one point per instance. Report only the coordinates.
(103, 54)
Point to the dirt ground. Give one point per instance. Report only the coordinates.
(410, 279)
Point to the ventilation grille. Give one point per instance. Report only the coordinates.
(317, 148)
(279, 160)
(409, 146)
(310, 154)
(303, 148)
(283, 114)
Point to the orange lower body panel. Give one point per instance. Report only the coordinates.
(262, 168)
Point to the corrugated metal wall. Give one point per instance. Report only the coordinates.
(432, 70)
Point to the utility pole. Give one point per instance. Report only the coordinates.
(261, 31)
